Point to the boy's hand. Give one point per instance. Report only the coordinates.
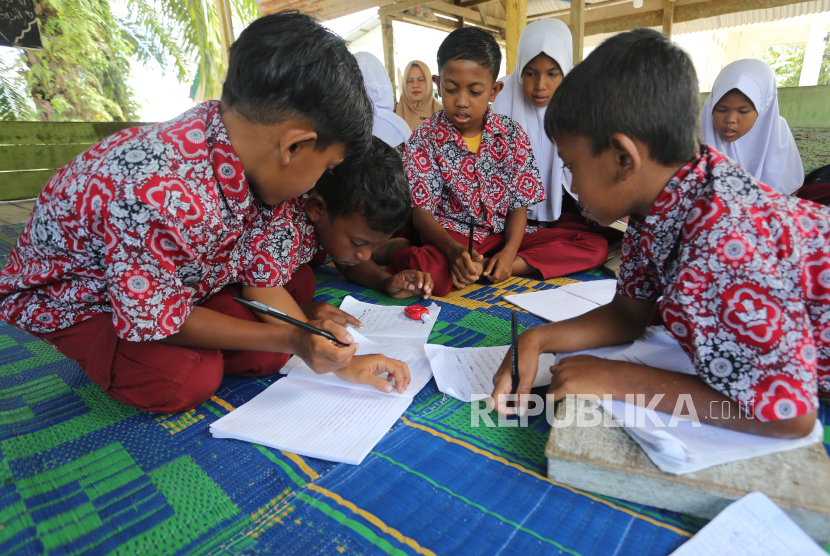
(581, 375)
(500, 266)
(365, 369)
(408, 283)
(319, 310)
(503, 381)
(463, 269)
(322, 355)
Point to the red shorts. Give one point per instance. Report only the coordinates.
(163, 377)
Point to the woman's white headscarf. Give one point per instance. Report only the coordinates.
(768, 151)
(387, 125)
(552, 37)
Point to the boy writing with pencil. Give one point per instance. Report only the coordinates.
(134, 250)
(739, 273)
(470, 167)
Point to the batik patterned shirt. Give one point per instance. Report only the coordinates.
(146, 224)
(452, 183)
(744, 274)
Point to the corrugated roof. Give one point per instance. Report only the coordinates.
(753, 16)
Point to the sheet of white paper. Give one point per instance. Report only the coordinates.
(752, 526)
(419, 368)
(552, 305)
(678, 446)
(389, 325)
(314, 420)
(600, 292)
(462, 372)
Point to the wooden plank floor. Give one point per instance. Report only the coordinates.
(15, 212)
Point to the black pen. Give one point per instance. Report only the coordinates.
(260, 307)
(472, 235)
(514, 340)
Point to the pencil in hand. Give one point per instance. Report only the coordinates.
(260, 307)
(514, 346)
(472, 235)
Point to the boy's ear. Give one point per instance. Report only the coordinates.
(293, 140)
(497, 87)
(436, 80)
(315, 208)
(627, 158)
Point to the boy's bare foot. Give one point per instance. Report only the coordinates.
(384, 252)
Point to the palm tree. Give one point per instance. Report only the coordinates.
(81, 74)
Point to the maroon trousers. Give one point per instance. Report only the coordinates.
(162, 377)
(552, 251)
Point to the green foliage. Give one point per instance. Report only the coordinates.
(786, 61)
(81, 74)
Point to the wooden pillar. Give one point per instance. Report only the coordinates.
(516, 23)
(668, 16)
(388, 49)
(223, 13)
(578, 28)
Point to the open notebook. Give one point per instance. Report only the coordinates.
(675, 444)
(389, 325)
(752, 526)
(322, 416)
(463, 372)
(566, 302)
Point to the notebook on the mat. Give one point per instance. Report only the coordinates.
(677, 444)
(389, 325)
(464, 372)
(322, 416)
(566, 302)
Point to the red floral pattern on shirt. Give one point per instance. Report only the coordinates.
(452, 183)
(745, 277)
(146, 224)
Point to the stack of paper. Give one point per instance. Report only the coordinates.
(324, 417)
(566, 302)
(752, 526)
(675, 444)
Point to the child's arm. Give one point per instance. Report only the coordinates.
(404, 284)
(583, 375)
(462, 269)
(208, 329)
(619, 322)
(500, 266)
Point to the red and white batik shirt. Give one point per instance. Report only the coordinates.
(452, 183)
(745, 277)
(145, 225)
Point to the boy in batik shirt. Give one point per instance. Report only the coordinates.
(739, 273)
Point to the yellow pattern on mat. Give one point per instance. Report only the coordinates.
(373, 519)
(540, 477)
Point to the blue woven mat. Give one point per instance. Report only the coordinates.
(82, 474)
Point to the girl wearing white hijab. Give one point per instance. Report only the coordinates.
(545, 56)
(387, 126)
(740, 119)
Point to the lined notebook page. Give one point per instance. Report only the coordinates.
(600, 292)
(314, 420)
(389, 325)
(419, 368)
(462, 372)
(752, 526)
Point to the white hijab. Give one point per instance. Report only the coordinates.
(768, 150)
(387, 125)
(552, 37)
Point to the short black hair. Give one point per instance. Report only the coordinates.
(471, 43)
(373, 184)
(287, 65)
(636, 83)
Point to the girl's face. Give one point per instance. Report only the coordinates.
(733, 116)
(540, 78)
(416, 84)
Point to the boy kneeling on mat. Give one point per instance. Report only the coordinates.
(134, 250)
(739, 273)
